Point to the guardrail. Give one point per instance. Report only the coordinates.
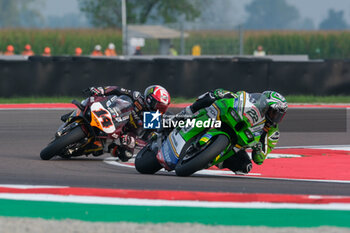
(182, 76)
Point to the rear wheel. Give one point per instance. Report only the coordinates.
(146, 161)
(189, 164)
(59, 145)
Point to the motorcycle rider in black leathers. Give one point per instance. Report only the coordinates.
(155, 98)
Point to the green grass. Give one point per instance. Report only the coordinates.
(290, 99)
(317, 99)
(21, 100)
(164, 214)
(179, 100)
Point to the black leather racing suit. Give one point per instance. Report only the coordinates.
(125, 152)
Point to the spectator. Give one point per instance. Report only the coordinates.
(9, 50)
(97, 51)
(138, 51)
(260, 51)
(110, 51)
(28, 50)
(47, 52)
(196, 50)
(172, 51)
(78, 51)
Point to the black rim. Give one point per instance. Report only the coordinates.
(193, 154)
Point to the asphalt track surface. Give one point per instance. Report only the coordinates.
(25, 132)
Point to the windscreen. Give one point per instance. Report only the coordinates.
(260, 102)
(119, 105)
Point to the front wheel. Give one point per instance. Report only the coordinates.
(58, 146)
(186, 167)
(146, 161)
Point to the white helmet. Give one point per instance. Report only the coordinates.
(98, 47)
(111, 46)
(277, 106)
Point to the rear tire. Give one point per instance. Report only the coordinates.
(201, 160)
(146, 161)
(58, 145)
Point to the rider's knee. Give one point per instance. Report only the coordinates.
(239, 163)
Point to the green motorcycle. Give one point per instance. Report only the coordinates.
(208, 138)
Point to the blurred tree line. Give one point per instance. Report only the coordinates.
(20, 13)
(107, 13)
(278, 14)
(334, 21)
(261, 14)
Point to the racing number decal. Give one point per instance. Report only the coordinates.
(103, 114)
(252, 113)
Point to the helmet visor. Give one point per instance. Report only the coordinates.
(155, 105)
(275, 116)
(161, 107)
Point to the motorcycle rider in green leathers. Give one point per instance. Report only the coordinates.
(268, 138)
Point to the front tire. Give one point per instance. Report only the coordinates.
(146, 161)
(201, 160)
(58, 145)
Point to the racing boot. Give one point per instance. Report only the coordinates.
(126, 151)
(124, 154)
(113, 150)
(239, 163)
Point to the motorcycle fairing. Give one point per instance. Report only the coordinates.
(169, 154)
(101, 118)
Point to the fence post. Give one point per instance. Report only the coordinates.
(124, 28)
(241, 39)
(182, 39)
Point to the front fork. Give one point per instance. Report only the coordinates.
(157, 139)
(96, 147)
(65, 127)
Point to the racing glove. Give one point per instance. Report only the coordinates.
(128, 141)
(221, 94)
(136, 95)
(257, 154)
(257, 147)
